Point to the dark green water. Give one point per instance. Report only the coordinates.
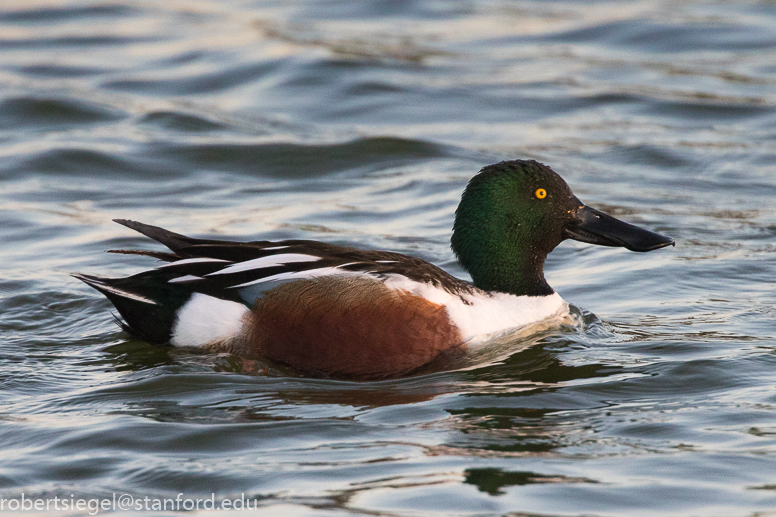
(360, 122)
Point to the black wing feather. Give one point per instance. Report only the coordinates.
(378, 263)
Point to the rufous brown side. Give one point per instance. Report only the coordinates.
(348, 327)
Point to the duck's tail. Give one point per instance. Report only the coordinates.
(149, 307)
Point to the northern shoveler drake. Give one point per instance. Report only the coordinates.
(362, 314)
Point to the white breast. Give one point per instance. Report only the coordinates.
(482, 313)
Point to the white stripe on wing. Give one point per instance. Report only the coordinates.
(309, 273)
(265, 262)
(186, 278)
(196, 260)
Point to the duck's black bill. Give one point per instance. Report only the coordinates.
(595, 227)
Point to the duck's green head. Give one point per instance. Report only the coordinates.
(512, 214)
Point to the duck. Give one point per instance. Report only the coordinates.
(357, 314)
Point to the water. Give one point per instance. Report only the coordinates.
(359, 123)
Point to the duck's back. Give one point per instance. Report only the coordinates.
(317, 307)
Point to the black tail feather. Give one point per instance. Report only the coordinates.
(122, 324)
(161, 255)
(149, 307)
(174, 241)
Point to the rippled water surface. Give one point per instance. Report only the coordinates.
(359, 123)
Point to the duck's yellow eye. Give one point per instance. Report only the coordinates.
(541, 193)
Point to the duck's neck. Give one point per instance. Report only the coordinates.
(517, 275)
(498, 264)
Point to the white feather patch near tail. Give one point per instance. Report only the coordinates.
(205, 319)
